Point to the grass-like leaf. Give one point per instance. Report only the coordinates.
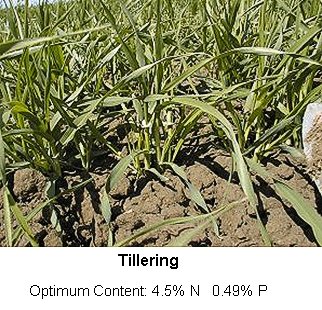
(303, 208)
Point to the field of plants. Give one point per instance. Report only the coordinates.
(159, 123)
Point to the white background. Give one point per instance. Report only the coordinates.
(293, 277)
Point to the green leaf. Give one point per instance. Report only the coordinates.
(7, 217)
(194, 192)
(185, 237)
(294, 152)
(265, 51)
(303, 208)
(2, 160)
(9, 47)
(19, 217)
(106, 206)
(118, 171)
(158, 174)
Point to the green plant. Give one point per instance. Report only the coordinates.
(158, 67)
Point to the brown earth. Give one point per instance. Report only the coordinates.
(139, 204)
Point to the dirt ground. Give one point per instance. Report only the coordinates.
(139, 204)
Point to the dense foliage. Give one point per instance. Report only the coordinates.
(68, 70)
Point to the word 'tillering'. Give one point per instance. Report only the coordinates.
(135, 260)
